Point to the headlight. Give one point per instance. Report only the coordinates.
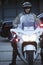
(25, 37)
(29, 38)
(33, 37)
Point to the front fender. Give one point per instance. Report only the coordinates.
(29, 47)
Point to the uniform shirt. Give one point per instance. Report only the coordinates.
(25, 18)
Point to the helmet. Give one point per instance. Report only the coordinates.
(26, 4)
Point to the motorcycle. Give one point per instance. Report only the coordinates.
(27, 39)
(41, 45)
(40, 16)
(27, 45)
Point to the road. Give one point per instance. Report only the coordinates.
(6, 53)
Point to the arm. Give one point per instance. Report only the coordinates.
(16, 21)
(37, 20)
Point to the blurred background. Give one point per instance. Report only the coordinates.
(9, 9)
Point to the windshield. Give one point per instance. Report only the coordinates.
(28, 24)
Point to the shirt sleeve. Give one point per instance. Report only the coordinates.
(16, 21)
(36, 20)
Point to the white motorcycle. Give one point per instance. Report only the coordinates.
(27, 41)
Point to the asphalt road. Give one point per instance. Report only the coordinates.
(6, 54)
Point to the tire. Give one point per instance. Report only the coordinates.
(29, 57)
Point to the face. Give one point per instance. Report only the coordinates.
(27, 10)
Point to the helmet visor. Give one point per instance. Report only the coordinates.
(27, 7)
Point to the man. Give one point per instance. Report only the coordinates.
(18, 20)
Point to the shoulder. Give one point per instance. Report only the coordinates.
(22, 13)
(33, 14)
(35, 17)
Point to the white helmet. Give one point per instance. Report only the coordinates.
(26, 4)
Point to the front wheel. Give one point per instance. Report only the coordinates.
(29, 57)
